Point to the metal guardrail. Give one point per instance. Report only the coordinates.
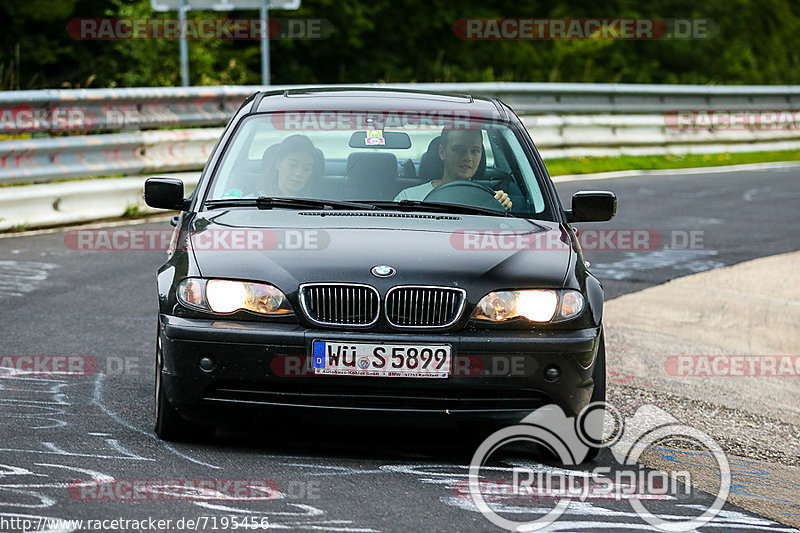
(115, 109)
(39, 160)
(143, 108)
(70, 202)
(565, 119)
(647, 134)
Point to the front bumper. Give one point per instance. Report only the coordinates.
(264, 368)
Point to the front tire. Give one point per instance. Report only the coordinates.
(169, 424)
(599, 392)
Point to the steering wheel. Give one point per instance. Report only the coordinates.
(498, 179)
(465, 193)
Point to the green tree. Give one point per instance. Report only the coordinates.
(755, 42)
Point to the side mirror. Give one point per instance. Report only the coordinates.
(592, 206)
(164, 193)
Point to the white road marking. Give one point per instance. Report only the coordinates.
(18, 278)
(97, 399)
(686, 260)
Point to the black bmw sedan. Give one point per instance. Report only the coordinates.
(374, 251)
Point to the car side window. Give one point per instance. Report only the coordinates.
(513, 153)
(487, 148)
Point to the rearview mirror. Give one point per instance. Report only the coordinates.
(592, 206)
(396, 140)
(164, 193)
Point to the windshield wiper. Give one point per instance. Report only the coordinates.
(444, 207)
(269, 202)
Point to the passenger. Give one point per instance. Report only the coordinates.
(460, 150)
(290, 170)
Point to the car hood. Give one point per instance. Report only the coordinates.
(287, 248)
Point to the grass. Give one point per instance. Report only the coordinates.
(134, 211)
(18, 228)
(588, 165)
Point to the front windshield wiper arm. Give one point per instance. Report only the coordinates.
(444, 207)
(268, 202)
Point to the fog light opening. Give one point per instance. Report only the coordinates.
(552, 373)
(207, 364)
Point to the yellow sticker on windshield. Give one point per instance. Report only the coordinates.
(375, 138)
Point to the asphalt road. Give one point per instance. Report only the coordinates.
(331, 476)
(732, 217)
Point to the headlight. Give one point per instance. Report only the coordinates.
(226, 296)
(191, 292)
(537, 305)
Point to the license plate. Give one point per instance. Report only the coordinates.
(385, 360)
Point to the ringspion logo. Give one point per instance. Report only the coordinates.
(570, 439)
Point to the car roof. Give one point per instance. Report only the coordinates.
(376, 99)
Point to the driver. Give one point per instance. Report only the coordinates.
(460, 151)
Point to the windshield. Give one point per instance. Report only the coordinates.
(381, 158)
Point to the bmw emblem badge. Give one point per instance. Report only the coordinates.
(382, 271)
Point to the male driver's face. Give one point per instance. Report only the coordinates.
(462, 154)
